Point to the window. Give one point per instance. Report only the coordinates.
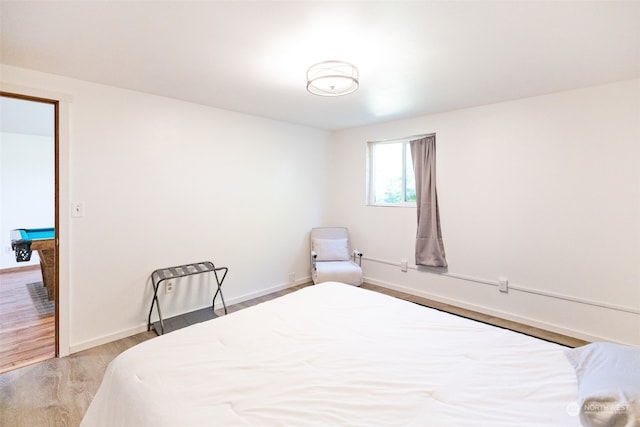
(390, 169)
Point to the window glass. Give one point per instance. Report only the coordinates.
(387, 173)
(391, 180)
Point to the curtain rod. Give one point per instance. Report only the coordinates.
(405, 137)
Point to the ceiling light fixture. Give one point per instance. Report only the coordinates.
(332, 78)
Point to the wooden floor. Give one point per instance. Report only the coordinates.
(492, 320)
(57, 392)
(25, 336)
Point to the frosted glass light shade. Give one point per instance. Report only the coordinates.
(332, 78)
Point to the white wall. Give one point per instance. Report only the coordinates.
(166, 182)
(544, 191)
(26, 189)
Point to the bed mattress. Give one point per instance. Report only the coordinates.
(338, 355)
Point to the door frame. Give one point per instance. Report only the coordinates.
(56, 180)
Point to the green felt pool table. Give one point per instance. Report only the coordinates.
(26, 240)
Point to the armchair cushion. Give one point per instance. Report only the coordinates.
(331, 249)
(338, 271)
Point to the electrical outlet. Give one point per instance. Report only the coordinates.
(503, 284)
(404, 265)
(168, 287)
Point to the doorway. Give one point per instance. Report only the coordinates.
(28, 201)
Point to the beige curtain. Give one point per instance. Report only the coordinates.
(429, 245)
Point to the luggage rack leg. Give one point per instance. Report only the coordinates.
(219, 290)
(155, 301)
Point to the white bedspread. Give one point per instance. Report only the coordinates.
(337, 355)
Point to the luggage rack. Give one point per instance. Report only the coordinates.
(180, 321)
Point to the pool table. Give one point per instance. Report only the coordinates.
(26, 240)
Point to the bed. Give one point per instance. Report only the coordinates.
(337, 355)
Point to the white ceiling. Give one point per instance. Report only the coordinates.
(414, 58)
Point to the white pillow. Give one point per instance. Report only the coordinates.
(331, 249)
(608, 384)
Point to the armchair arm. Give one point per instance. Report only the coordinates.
(357, 253)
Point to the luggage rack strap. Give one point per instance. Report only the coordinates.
(183, 270)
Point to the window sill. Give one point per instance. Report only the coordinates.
(392, 205)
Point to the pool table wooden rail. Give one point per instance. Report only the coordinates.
(23, 247)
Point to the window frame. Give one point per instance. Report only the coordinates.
(370, 191)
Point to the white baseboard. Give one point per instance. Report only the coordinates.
(489, 311)
(107, 339)
(262, 292)
(143, 327)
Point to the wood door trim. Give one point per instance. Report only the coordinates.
(56, 180)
